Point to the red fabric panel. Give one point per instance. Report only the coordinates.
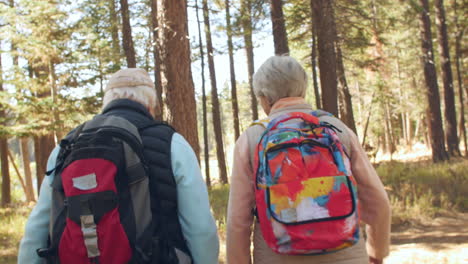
(112, 242)
(105, 173)
(72, 249)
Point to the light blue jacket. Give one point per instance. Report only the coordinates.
(198, 225)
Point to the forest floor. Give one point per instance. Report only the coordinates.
(442, 240)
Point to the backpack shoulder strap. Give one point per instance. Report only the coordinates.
(261, 122)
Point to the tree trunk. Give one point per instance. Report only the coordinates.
(449, 98)
(214, 99)
(434, 118)
(114, 28)
(205, 122)
(280, 36)
(127, 35)
(314, 66)
(246, 21)
(323, 16)
(458, 55)
(6, 191)
(26, 160)
(20, 178)
(176, 71)
(157, 60)
(58, 127)
(235, 104)
(348, 115)
(43, 146)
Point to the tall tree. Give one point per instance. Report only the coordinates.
(25, 158)
(175, 67)
(280, 36)
(451, 136)
(157, 60)
(324, 19)
(205, 122)
(127, 35)
(247, 30)
(346, 108)
(235, 104)
(6, 190)
(313, 58)
(458, 55)
(214, 98)
(114, 28)
(43, 145)
(434, 117)
(24, 149)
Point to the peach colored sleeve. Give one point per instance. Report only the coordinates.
(374, 203)
(241, 203)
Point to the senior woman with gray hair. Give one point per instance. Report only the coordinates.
(280, 84)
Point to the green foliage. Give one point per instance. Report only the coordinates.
(12, 221)
(219, 197)
(421, 189)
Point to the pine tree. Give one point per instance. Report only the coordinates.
(127, 38)
(157, 60)
(204, 110)
(6, 188)
(176, 71)
(434, 117)
(247, 30)
(235, 105)
(324, 18)
(280, 36)
(214, 99)
(114, 28)
(451, 136)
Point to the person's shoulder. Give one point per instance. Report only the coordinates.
(158, 130)
(179, 141)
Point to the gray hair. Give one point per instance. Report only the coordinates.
(142, 94)
(132, 83)
(279, 77)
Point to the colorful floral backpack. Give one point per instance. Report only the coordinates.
(306, 197)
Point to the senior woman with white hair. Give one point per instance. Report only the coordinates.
(280, 84)
(184, 227)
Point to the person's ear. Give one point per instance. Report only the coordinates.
(265, 103)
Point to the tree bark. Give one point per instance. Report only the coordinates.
(324, 19)
(6, 191)
(235, 104)
(246, 21)
(205, 119)
(114, 28)
(43, 146)
(58, 126)
(458, 55)
(214, 99)
(175, 67)
(280, 36)
(451, 136)
(314, 66)
(157, 60)
(434, 118)
(25, 158)
(127, 35)
(20, 178)
(347, 114)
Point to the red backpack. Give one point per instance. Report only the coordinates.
(101, 208)
(306, 197)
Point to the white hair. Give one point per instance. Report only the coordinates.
(279, 77)
(144, 95)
